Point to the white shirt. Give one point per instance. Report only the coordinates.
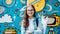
(31, 25)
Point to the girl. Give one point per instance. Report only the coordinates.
(30, 24)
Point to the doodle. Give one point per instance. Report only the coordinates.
(56, 4)
(16, 10)
(21, 14)
(10, 31)
(50, 7)
(14, 17)
(55, 21)
(51, 31)
(55, 11)
(22, 1)
(12, 25)
(9, 3)
(16, 3)
(58, 0)
(39, 15)
(5, 18)
(23, 8)
(2, 9)
(6, 24)
(29, 2)
(39, 5)
(50, 21)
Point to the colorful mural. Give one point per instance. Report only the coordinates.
(12, 13)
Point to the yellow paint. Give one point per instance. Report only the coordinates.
(10, 31)
(39, 5)
(50, 33)
(8, 1)
(30, 1)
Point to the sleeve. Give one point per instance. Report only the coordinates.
(22, 27)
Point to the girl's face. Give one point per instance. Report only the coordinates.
(30, 11)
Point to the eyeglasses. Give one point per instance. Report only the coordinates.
(30, 10)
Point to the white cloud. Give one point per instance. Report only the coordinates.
(6, 18)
